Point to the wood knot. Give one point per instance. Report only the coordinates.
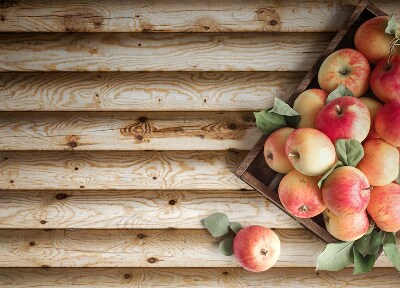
(45, 266)
(225, 273)
(139, 137)
(172, 202)
(43, 222)
(61, 196)
(152, 260)
(127, 276)
(141, 236)
(2, 18)
(11, 181)
(5, 158)
(81, 186)
(273, 22)
(154, 178)
(72, 144)
(32, 243)
(232, 126)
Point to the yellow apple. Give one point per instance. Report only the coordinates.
(308, 104)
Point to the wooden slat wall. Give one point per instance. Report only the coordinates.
(123, 142)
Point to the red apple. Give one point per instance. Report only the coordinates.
(348, 67)
(373, 107)
(308, 104)
(372, 41)
(256, 248)
(344, 118)
(310, 151)
(300, 195)
(346, 191)
(384, 207)
(346, 227)
(385, 80)
(387, 123)
(274, 150)
(380, 163)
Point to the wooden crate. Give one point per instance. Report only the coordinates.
(254, 170)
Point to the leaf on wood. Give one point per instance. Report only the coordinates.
(349, 151)
(369, 243)
(217, 224)
(226, 247)
(267, 122)
(235, 227)
(282, 108)
(392, 26)
(363, 264)
(336, 256)
(322, 180)
(340, 91)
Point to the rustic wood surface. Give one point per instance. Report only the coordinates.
(114, 146)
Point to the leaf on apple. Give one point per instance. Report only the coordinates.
(349, 151)
(226, 247)
(340, 91)
(267, 121)
(235, 226)
(392, 26)
(322, 180)
(369, 243)
(363, 264)
(390, 249)
(336, 256)
(217, 224)
(282, 108)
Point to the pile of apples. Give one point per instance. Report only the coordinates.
(348, 195)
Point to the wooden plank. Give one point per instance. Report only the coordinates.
(161, 91)
(193, 277)
(175, 16)
(142, 248)
(160, 51)
(134, 209)
(128, 131)
(208, 170)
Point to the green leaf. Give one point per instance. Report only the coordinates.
(293, 121)
(226, 247)
(336, 256)
(369, 244)
(393, 254)
(340, 91)
(282, 108)
(363, 264)
(322, 180)
(392, 26)
(388, 237)
(267, 122)
(349, 151)
(371, 227)
(217, 224)
(235, 226)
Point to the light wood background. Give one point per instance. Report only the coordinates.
(115, 145)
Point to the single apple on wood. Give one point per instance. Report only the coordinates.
(346, 227)
(308, 104)
(346, 191)
(347, 67)
(380, 163)
(384, 207)
(385, 79)
(344, 118)
(387, 123)
(310, 151)
(274, 150)
(256, 248)
(300, 195)
(373, 107)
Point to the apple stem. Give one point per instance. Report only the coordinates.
(303, 208)
(290, 154)
(264, 252)
(368, 188)
(395, 42)
(338, 109)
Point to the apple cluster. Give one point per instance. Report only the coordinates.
(358, 100)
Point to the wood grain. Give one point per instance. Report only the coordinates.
(160, 51)
(128, 131)
(193, 277)
(142, 248)
(175, 16)
(151, 209)
(193, 170)
(161, 91)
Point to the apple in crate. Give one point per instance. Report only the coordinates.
(384, 207)
(347, 67)
(373, 107)
(308, 104)
(385, 79)
(310, 151)
(387, 123)
(380, 163)
(346, 191)
(344, 118)
(256, 248)
(372, 41)
(274, 150)
(346, 227)
(300, 195)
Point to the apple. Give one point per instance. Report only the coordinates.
(346, 227)
(387, 123)
(385, 79)
(348, 67)
(346, 191)
(372, 41)
(310, 151)
(380, 163)
(308, 104)
(344, 118)
(373, 107)
(274, 150)
(256, 248)
(300, 195)
(384, 207)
